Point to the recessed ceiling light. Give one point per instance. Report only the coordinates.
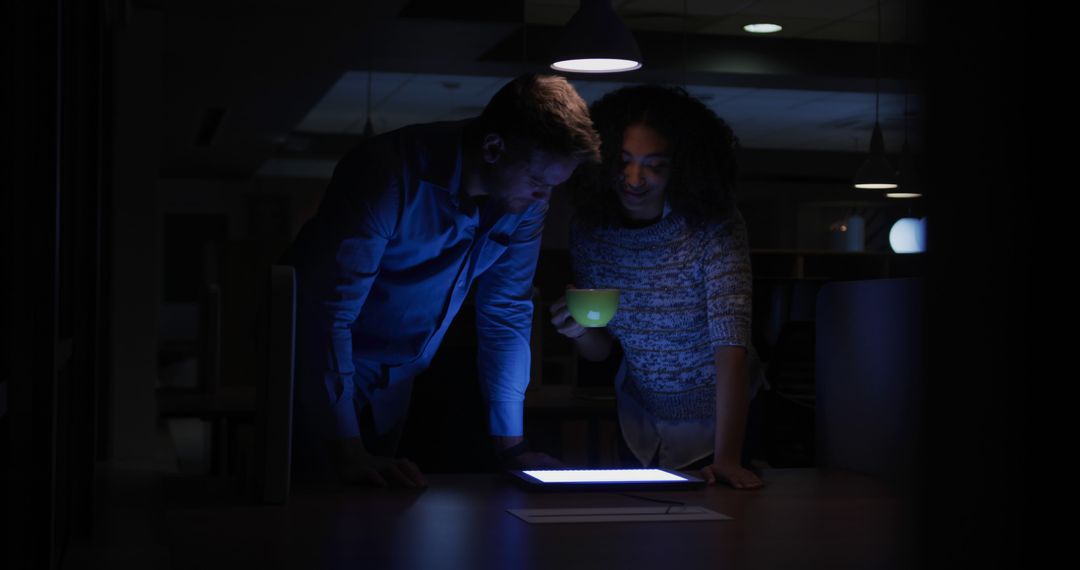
(762, 28)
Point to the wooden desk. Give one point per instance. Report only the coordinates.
(804, 518)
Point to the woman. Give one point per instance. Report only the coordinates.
(657, 220)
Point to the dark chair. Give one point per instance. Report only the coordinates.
(267, 405)
(224, 407)
(869, 375)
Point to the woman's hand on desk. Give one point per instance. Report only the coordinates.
(733, 474)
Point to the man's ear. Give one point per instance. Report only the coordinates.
(493, 148)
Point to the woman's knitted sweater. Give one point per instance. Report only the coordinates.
(684, 290)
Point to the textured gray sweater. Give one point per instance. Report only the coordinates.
(684, 290)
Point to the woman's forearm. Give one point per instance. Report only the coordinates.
(594, 345)
(732, 401)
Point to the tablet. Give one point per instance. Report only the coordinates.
(606, 479)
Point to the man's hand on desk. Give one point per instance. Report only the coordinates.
(357, 466)
(733, 474)
(514, 453)
(535, 460)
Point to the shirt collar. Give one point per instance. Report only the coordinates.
(443, 164)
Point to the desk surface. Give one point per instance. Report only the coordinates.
(804, 518)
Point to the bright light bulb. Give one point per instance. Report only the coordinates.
(596, 65)
(908, 235)
(876, 186)
(762, 28)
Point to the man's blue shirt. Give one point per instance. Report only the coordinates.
(386, 264)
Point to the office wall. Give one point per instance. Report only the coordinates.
(135, 250)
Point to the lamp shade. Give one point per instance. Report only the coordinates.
(876, 173)
(907, 178)
(596, 40)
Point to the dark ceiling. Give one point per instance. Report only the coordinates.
(240, 75)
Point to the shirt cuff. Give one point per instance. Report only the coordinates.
(506, 418)
(344, 425)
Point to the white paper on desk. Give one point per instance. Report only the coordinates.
(618, 514)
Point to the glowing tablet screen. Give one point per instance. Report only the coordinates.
(605, 476)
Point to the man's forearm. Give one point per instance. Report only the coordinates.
(349, 448)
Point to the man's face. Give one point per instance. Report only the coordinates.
(524, 175)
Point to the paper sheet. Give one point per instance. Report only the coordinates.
(674, 513)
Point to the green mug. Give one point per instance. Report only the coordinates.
(592, 307)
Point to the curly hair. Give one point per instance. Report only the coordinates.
(702, 148)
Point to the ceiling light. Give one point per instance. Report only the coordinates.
(596, 40)
(762, 28)
(906, 176)
(876, 173)
(596, 65)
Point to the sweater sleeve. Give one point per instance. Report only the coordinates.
(728, 281)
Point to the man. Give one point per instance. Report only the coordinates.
(410, 221)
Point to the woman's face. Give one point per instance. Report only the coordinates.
(645, 171)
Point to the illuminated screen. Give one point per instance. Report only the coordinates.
(605, 476)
